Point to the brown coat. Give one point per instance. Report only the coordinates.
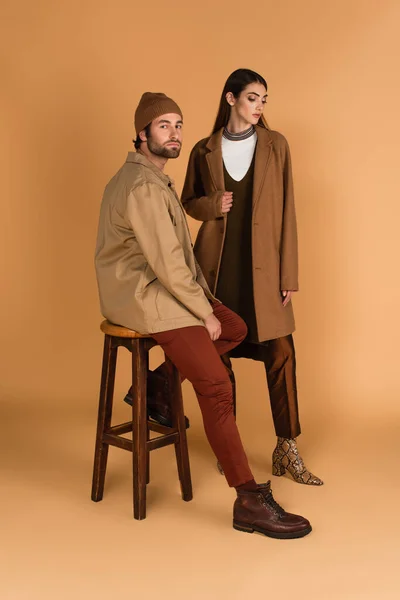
(274, 233)
(147, 274)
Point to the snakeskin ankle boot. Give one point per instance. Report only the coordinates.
(286, 457)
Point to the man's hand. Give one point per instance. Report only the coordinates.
(287, 296)
(226, 202)
(213, 327)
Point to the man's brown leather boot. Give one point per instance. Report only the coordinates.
(158, 405)
(258, 511)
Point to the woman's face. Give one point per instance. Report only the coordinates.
(250, 104)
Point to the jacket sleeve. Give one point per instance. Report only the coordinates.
(150, 220)
(195, 202)
(289, 250)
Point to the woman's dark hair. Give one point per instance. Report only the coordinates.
(138, 141)
(236, 83)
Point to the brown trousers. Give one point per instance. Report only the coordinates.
(280, 368)
(198, 359)
(279, 360)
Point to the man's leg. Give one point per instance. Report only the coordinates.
(197, 359)
(233, 331)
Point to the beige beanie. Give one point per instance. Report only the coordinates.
(151, 106)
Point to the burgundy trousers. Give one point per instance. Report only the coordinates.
(198, 359)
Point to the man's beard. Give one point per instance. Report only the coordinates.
(163, 150)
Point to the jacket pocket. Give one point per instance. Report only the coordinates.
(168, 307)
(148, 276)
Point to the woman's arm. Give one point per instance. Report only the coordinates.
(196, 203)
(289, 251)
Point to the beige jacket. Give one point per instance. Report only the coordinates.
(147, 275)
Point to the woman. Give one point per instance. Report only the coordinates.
(239, 183)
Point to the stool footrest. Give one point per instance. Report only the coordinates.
(163, 440)
(126, 444)
(164, 429)
(127, 428)
(119, 442)
(122, 428)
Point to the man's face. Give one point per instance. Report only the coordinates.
(165, 137)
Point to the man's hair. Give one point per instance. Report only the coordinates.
(138, 141)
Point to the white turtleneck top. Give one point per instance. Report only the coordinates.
(237, 155)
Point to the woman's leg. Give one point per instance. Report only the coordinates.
(280, 367)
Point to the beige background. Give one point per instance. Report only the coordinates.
(72, 74)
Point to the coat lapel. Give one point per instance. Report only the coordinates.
(214, 160)
(262, 159)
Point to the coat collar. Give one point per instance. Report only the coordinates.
(263, 155)
(139, 158)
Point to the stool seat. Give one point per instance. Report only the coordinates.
(118, 331)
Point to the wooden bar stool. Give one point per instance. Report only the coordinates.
(141, 445)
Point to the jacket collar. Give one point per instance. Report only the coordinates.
(138, 157)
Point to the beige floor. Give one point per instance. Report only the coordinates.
(57, 544)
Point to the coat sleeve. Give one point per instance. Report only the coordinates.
(195, 202)
(148, 215)
(201, 280)
(289, 250)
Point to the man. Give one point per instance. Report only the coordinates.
(149, 281)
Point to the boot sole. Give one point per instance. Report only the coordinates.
(284, 472)
(156, 417)
(279, 536)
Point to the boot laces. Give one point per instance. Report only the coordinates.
(270, 502)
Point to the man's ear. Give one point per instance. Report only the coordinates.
(143, 136)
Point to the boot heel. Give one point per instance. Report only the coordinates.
(240, 527)
(278, 469)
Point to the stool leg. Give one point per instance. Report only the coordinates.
(148, 430)
(181, 447)
(104, 417)
(148, 459)
(139, 429)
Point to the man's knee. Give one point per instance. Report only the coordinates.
(239, 330)
(215, 396)
(218, 385)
